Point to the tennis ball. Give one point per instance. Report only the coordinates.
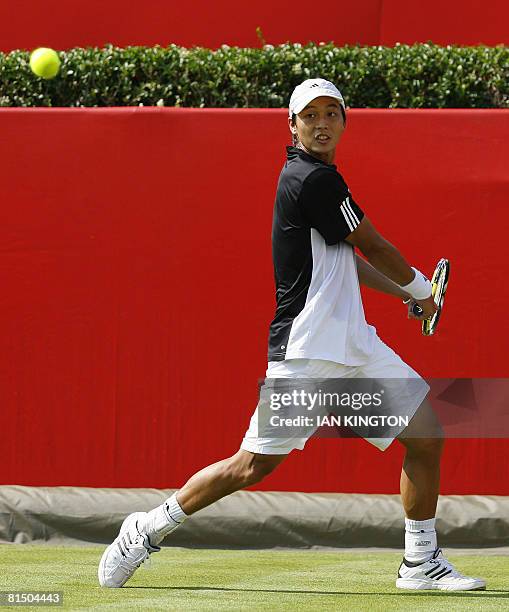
(45, 63)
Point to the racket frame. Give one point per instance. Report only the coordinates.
(439, 282)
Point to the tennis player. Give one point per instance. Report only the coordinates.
(319, 331)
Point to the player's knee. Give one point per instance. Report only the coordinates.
(251, 468)
(431, 447)
(258, 470)
(424, 431)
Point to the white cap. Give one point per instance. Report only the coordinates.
(309, 90)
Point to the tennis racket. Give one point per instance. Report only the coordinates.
(438, 288)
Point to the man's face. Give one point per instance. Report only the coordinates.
(319, 127)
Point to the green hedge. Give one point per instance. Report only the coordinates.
(418, 76)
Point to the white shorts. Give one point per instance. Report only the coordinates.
(384, 363)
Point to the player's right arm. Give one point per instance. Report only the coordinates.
(380, 253)
(330, 208)
(386, 258)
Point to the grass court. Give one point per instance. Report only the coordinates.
(185, 579)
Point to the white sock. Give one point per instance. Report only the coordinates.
(420, 540)
(163, 520)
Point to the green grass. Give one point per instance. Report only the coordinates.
(182, 579)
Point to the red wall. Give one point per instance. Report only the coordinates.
(31, 23)
(445, 22)
(137, 286)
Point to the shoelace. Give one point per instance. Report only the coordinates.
(137, 542)
(447, 565)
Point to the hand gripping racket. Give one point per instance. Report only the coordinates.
(438, 288)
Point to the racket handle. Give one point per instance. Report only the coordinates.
(417, 310)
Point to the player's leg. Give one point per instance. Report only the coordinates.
(210, 484)
(242, 470)
(420, 483)
(420, 475)
(423, 565)
(142, 532)
(261, 451)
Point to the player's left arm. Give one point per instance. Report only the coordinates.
(372, 278)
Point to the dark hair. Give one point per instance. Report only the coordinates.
(295, 140)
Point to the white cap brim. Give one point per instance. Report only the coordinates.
(311, 95)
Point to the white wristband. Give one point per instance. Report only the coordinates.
(419, 288)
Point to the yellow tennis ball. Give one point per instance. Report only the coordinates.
(45, 63)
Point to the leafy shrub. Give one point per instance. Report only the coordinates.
(417, 76)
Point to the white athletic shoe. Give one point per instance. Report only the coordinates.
(437, 573)
(129, 550)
